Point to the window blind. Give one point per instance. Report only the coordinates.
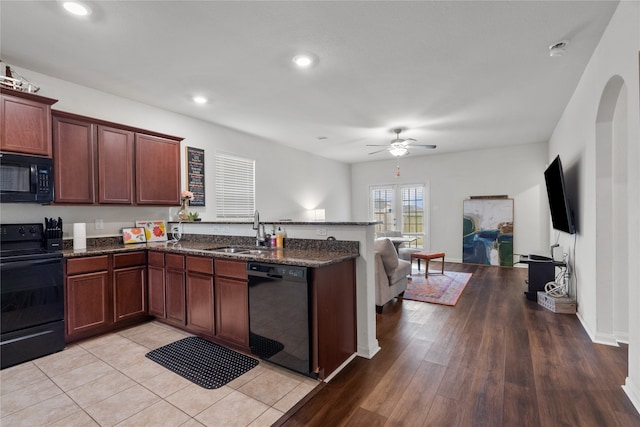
(235, 187)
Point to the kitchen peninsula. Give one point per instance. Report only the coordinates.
(195, 286)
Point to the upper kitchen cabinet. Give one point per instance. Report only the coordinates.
(115, 165)
(25, 123)
(157, 170)
(99, 162)
(74, 150)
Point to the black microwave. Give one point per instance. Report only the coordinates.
(25, 179)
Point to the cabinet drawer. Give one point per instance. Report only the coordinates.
(87, 265)
(156, 258)
(237, 269)
(129, 259)
(174, 261)
(200, 264)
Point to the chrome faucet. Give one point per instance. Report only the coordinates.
(260, 235)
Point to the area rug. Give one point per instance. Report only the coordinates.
(437, 288)
(202, 362)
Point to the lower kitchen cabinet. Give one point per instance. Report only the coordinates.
(334, 315)
(129, 286)
(200, 295)
(175, 289)
(104, 292)
(156, 284)
(87, 297)
(232, 302)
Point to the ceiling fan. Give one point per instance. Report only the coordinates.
(399, 146)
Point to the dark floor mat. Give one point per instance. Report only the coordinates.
(264, 347)
(202, 362)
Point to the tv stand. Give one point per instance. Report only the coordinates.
(542, 270)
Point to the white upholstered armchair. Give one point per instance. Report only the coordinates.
(391, 272)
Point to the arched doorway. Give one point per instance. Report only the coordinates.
(612, 283)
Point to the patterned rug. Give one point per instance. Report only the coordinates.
(437, 288)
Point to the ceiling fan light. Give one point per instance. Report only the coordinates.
(398, 151)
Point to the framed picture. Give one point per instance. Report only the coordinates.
(133, 235)
(487, 231)
(155, 230)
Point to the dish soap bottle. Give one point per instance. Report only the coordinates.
(279, 238)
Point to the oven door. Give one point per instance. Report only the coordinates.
(32, 300)
(32, 292)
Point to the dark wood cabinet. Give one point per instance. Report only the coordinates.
(175, 289)
(115, 165)
(25, 123)
(156, 284)
(74, 148)
(232, 302)
(99, 162)
(129, 286)
(87, 297)
(200, 295)
(157, 170)
(333, 315)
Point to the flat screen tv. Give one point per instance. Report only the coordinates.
(561, 213)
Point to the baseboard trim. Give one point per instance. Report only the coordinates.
(368, 353)
(633, 392)
(340, 368)
(598, 338)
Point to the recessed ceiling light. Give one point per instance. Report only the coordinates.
(304, 60)
(199, 99)
(76, 8)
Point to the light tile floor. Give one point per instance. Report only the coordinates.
(108, 381)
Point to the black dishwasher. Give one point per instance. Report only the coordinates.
(279, 315)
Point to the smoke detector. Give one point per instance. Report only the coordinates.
(558, 49)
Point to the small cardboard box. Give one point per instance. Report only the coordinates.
(564, 305)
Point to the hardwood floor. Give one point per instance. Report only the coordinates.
(495, 359)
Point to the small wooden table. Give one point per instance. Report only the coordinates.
(427, 256)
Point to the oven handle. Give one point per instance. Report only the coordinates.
(29, 264)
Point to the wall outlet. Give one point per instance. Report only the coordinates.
(321, 232)
(99, 224)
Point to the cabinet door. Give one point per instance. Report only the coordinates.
(232, 310)
(175, 296)
(115, 165)
(74, 160)
(129, 293)
(157, 171)
(25, 124)
(200, 302)
(87, 297)
(156, 291)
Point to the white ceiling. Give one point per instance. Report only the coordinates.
(459, 74)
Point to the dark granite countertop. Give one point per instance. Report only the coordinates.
(306, 256)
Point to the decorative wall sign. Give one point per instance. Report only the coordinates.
(195, 175)
(487, 231)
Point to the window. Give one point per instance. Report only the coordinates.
(235, 187)
(406, 199)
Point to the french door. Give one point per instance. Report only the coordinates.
(400, 208)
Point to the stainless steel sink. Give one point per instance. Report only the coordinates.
(229, 250)
(235, 250)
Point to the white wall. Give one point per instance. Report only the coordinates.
(575, 140)
(451, 178)
(288, 181)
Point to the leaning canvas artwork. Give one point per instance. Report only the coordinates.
(487, 231)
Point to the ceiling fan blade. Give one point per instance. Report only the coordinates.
(379, 151)
(377, 145)
(424, 146)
